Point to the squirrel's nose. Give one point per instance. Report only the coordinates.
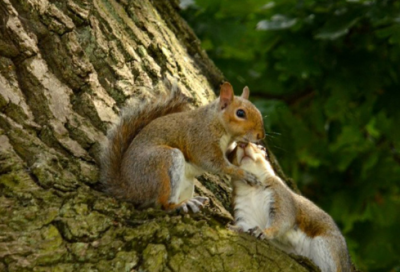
(243, 144)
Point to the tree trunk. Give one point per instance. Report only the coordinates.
(66, 68)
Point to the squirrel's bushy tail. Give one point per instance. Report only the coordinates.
(133, 119)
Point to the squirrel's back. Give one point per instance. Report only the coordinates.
(133, 119)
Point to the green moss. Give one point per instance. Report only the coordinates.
(49, 171)
(17, 113)
(50, 246)
(143, 233)
(124, 262)
(57, 268)
(81, 209)
(185, 230)
(17, 182)
(79, 251)
(176, 244)
(109, 205)
(28, 212)
(154, 257)
(52, 238)
(142, 51)
(175, 261)
(88, 173)
(105, 247)
(88, 267)
(90, 225)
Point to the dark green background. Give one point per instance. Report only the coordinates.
(326, 76)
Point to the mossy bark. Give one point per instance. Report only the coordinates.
(66, 68)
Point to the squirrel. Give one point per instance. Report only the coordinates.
(290, 221)
(156, 150)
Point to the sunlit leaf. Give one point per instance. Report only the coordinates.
(277, 22)
(337, 26)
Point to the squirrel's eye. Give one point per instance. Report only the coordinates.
(240, 113)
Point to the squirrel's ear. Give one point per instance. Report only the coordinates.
(246, 93)
(226, 95)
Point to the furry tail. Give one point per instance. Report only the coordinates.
(133, 119)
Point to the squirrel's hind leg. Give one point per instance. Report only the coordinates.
(178, 189)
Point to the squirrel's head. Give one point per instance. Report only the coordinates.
(240, 117)
(252, 158)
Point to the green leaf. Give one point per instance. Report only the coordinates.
(337, 26)
(392, 32)
(277, 22)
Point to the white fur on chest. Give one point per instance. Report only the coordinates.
(225, 142)
(252, 206)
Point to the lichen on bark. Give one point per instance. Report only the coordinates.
(66, 69)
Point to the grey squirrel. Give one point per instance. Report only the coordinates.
(273, 211)
(156, 150)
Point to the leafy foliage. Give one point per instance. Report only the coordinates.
(326, 75)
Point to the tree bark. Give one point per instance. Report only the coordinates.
(66, 68)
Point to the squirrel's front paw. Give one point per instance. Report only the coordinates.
(234, 228)
(194, 204)
(257, 232)
(251, 179)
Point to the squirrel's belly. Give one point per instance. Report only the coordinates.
(186, 188)
(192, 171)
(252, 207)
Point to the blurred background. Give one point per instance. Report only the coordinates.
(326, 74)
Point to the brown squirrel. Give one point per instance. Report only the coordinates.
(273, 211)
(156, 150)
